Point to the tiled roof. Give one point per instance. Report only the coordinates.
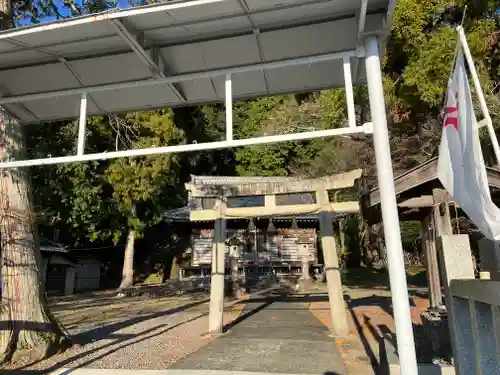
(232, 180)
(52, 246)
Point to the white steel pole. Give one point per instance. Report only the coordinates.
(188, 147)
(229, 108)
(349, 92)
(392, 233)
(479, 91)
(82, 124)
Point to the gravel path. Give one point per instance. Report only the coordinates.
(150, 334)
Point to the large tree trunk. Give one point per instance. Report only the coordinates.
(128, 262)
(5, 14)
(25, 318)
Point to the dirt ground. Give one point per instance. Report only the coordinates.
(129, 332)
(145, 333)
(370, 317)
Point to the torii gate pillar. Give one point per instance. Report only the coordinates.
(332, 270)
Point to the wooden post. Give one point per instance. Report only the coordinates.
(431, 262)
(342, 237)
(440, 220)
(441, 212)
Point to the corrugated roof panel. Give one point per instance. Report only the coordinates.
(194, 36)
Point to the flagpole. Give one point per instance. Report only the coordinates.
(479, 91)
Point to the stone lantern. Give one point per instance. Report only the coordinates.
(305, 248)
(235, 246)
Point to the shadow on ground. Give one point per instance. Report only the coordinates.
(273, 303)
(120, 340)
(380, 331)
(84, 302)
(369, 278)
(109, 332)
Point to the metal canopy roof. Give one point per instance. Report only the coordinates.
(58, 61)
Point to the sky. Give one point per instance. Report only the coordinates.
(65, 12)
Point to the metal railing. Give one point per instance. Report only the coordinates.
(475, 326)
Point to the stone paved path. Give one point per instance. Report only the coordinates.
(275, 335)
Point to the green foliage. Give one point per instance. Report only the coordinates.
(32, 11)
(139, 183)
(410, 233)
(429, 69)
(102, 200)
(282, 115)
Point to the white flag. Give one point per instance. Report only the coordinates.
(461, 167)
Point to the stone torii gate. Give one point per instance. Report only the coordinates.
(323, 207)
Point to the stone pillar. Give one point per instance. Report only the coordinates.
(489, 254)
(270, 200)
(216, 311)
(69, 283)
(332, 271)
(456, 263)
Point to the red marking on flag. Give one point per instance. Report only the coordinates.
(451, 115)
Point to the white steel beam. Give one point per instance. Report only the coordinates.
(349, 92)
(81, 125)
(480, 95)
(362, 18)
(183, 148)
(135, 11)
(392, 233)
(132, 38)
(184, 77)
(229, 108)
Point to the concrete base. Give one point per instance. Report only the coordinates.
(389, 363)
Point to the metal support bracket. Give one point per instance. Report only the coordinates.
(154, 62)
